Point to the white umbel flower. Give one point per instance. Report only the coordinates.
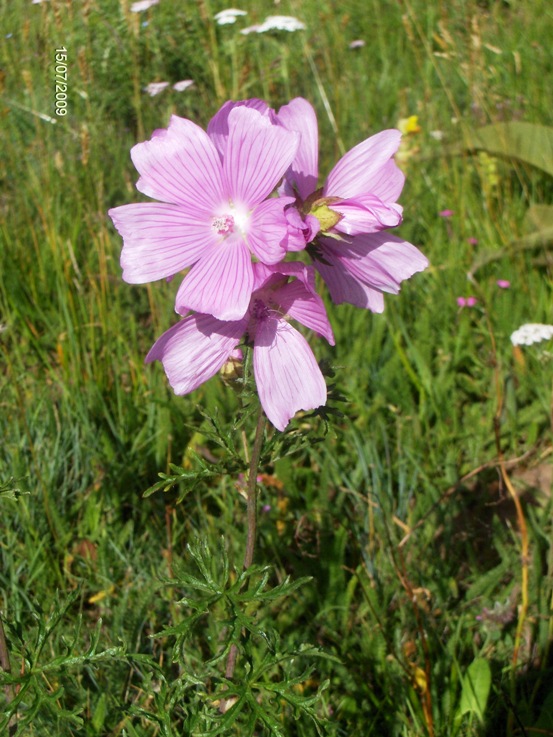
(228, 16)
(143, 5)
(154, 88)
(276, 23)
(532, 332)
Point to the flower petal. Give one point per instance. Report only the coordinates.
(343, 287)
(302, 305)
(303, 272)
(360, 170)
(180, 165)
(378, 261)
(159, 240)
(301, 230)
(388, 183)
(221, 283)
(286, 373)
(303, 173)
(217, 128)
(382, 260)
(257, 155)
(194, 349)
(268, 230)
(366, 214)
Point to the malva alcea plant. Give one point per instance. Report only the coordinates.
(237, 204)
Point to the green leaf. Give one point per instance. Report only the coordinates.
(476, 688)
(100, 712)
(527, 142)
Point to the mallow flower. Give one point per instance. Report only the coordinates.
(345, 220)
(213, 212)
(287, 376)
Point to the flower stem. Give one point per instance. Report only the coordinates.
(251, 490)
(252, 529)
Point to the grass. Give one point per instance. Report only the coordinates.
(403, 515)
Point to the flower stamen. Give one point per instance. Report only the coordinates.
(223, 224)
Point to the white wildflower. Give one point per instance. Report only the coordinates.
(184, 84)
(154, 88)
(276, 23)
(228, 16)
(532, 332)
(142, 5)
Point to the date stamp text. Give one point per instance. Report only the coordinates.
(61, 81)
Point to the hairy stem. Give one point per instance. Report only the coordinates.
(252, 528)
(252, 488)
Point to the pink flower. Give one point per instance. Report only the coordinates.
(360, 192)
(213, 212)
(503, 283)
(446, 213)
(466, 301)
(472, 241)
(287, 375)
(357, 202)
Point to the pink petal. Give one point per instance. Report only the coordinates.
(268, 231)
(379, 260)
(181, 166)
(302, 175)
(359, 171)
(286, 373)
(303, 272)
(366, 214)
(159, 240)
(301, 231)
(257, 155)
(221, 283)
(343, 287)
(194, 349)
(217, 128)
(388, 183)
(302, 305)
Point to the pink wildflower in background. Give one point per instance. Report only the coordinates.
(466, 301)
(287, 375)
(213, 212)
(446, 213)
(503, 283)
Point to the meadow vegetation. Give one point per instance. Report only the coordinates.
(415, 534)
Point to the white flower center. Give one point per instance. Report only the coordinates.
(223, 224)
(231, 219)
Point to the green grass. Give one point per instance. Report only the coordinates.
(400, 516)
